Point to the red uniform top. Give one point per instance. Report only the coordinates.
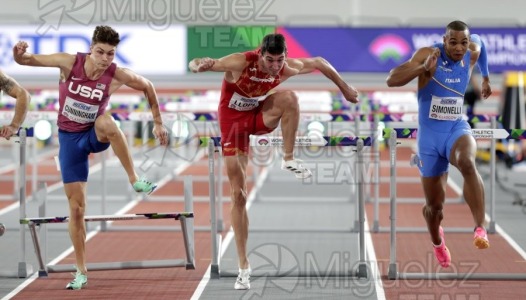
(81, 99)
(246, 93)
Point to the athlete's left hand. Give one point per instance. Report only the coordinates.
(8, 131)
(159, 132)
(486, 89)
(351, 94)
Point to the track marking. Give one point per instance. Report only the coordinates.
(376, 275)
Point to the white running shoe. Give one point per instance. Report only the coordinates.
(296, 166)
(243, 279)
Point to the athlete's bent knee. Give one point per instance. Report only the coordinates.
(106, 126)
(290, 100)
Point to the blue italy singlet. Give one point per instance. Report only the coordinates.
(440, 105)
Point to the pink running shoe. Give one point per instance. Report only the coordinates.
(480, 238)
(442, 252)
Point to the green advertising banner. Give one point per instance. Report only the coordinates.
(218, 41)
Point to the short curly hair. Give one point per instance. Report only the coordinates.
(457, 26)
(105, 35)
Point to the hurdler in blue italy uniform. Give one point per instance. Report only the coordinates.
(86, 82)
(440, 120)
(444, 138)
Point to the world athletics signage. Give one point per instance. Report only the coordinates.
(380, 49)
(356, 49)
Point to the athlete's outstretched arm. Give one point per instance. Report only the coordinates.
(231, 62)
(13, 89)
(308, 65)
(138, 82)
(59, 60)
(424, 60)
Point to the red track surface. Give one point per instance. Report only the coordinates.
(414, 253)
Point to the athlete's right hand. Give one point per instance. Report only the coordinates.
(431, 60)
(205, 64)
(20, 48)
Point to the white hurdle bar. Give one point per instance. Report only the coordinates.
(183, 217)
(393, 273)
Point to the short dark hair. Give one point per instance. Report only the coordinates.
(457, 26)
(274, 44)
(105, 35)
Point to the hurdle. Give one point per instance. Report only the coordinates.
(24, 269)
(407, 133)
(393, 273)
(323, 141)
(185, 219)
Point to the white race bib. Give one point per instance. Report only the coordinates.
(241, 103)
(446, 108)
(79, 112)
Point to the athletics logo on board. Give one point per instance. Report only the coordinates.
(390, 47)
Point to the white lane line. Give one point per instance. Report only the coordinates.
(376, 275)
(511, 241)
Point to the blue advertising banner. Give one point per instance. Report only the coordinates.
(381, 49)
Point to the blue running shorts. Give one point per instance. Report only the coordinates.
(75, 148)
(435, 147)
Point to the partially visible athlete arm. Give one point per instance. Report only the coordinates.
(482, 61)
(13, 89)
(25, 58)
(481, 56)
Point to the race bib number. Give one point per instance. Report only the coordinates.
(446, 108)
(241, 103)
(79, 112)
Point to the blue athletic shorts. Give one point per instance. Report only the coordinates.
(435, 147)
(75, 148)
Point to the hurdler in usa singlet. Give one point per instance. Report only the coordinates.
(81, 99)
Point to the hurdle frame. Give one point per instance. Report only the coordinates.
(24, 269)
(185, 219)
(392, 272)
(361, 270)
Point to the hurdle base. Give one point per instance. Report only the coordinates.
(362, 271)
(462, 276)
(24, 270)
(214, 272)
(148, 264)
(392, 272)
